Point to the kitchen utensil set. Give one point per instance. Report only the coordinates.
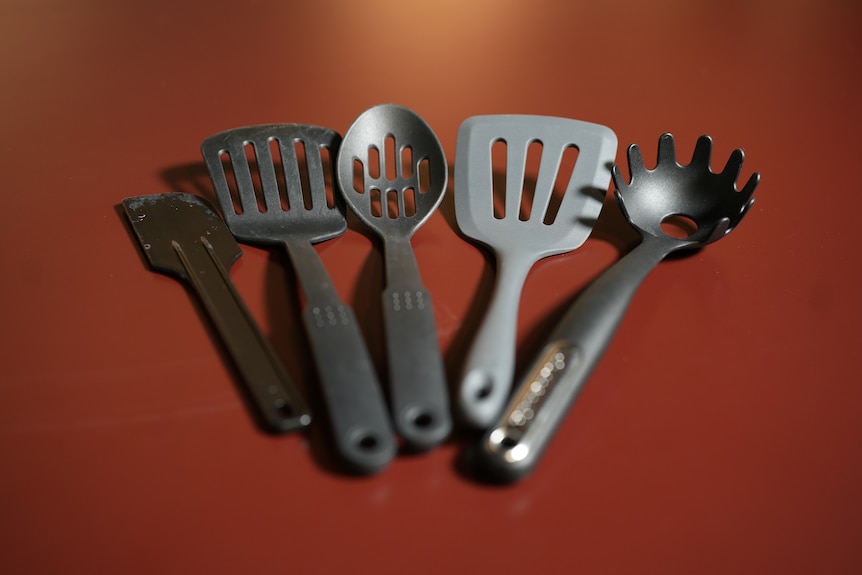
(287, 185)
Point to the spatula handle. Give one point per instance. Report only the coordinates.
(357, 410)
(277, 400)
(512, 447)
(490, 366)
(358, 419)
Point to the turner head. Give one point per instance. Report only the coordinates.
(500, 205)
(275, 181)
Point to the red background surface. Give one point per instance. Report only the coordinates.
(720, 434)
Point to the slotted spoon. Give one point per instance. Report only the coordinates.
(393, 174)
(519, 243)
(296, 214)
(710, 200)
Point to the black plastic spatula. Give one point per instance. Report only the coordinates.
(183, 236)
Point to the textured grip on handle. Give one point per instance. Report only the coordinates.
(419, 397)
(357, 410)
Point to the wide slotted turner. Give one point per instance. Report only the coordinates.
(285, 201)
(555, 225)
(393, 174)
(712, 204)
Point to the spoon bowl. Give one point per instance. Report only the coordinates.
(392, 170)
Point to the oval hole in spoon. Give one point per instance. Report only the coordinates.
(678, 226)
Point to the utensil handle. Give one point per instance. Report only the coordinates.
(417, 379)
(360, 425)
(274, 395)
(358, 419)
(490, 366)
(418, 392)
(512, 447)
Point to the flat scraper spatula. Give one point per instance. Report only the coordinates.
(184, 237)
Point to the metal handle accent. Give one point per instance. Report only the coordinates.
(513, 446)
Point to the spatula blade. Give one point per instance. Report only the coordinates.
(583, 189)
(163, 220)
(183, 236)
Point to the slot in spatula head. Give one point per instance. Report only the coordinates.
(276, 181)
(564, 200)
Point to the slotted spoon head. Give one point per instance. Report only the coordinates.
(563, 211)
(274, 182)
(392, 169)
(708, 199)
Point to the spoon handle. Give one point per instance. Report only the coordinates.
(513, 446)
(358, 419)
(490, 366)
(418, 392)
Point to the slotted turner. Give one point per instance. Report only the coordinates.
(284, 201)
(182, 236)
(518, 243)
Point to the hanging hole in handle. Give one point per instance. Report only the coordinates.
(507, 442)
(284, 409)
(678, 226)
(485, 391)
(421, 419)
(367, 442)
(478, 386)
